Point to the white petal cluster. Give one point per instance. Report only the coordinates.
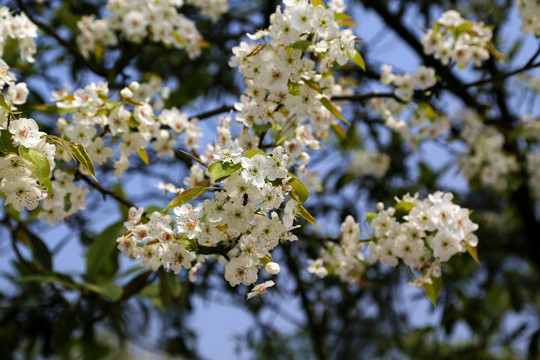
(288, 75)
(405, 84)
(454, 38)
(19, 28)
(434, 230)
(242, 218)
(92, 119)
(486, 159)
(529, 12)
(366, 163)
(431, 232)
(139, 20)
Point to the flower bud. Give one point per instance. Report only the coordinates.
(134, 86)
(126, 93)
(272, 268)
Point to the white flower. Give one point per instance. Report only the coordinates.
(317, 267)
(260, 289)
(240, 270)
(23, 193)
(174, 256)
(26, 132)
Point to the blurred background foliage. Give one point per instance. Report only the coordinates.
(484, 312)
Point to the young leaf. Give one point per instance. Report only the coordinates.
(252, 153)
(358, 60)
(473, 251)
(186, 196)
(299, 190)
(313, 85)
(432, 290)
(179, 37)
(38, 163)
(220, 171)
(328, 105)
(4, 106)
(306, 215)
(318, 3)
(404, 206)
(339, 131)
(79, 152)
(370, 215)
(257, 49)
(301, 45)
(143, 155)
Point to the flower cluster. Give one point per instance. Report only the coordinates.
(18, 181)
(94, 119)
(138, 20)
(19, 28)
(211, 8)
(285, 84)
(367, 163)
(454, 38)
(486, 158)
(529, 12)
(345, 258)
(423, 121)
(241, 221)
(425, 234)
(405, 84)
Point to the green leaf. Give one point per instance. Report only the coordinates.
(299, 191)
(179, 37)
(143, 155)
(101, 250)
(306, 215)
(257, 49)
(136, 284)
(432, 290)
(6, 143)
(358, 60)
(38, 163)
(220, 171)
(313, 85)
(83, 158)
(370, 215)
(252, 153)
(54, 278)
(338, 131)
(186, 196)
(109, 290)
(4, 106)
(301, 45)
(40, 251)
(294, 88)
(404, 206)
(344, 19)
(318, 3)
(169, 288)
(473, 251)
(130, 101)
(328, 105)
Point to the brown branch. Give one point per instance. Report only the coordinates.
(209, 114)
(106, 192)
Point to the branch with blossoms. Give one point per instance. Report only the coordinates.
(293, 100)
